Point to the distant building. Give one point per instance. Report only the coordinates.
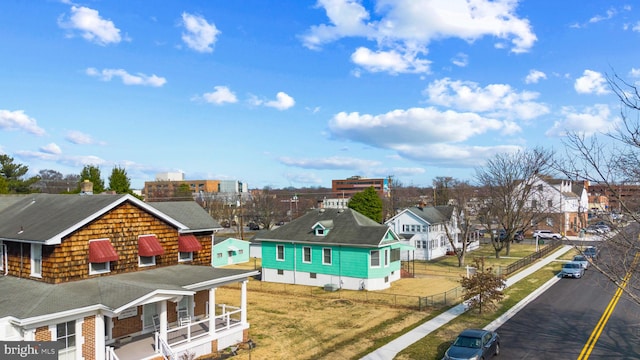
(355, 184)
(335, 203)
(167, 185)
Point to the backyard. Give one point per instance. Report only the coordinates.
(302, 322)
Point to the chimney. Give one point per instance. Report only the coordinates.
(86, 188)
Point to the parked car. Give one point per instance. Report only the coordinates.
(603, 229)
(546, 234)
(254, 226)
(519, 236)
(572, 269)
(582, 260)
(592, 229)
(591, 252)
(474, 344)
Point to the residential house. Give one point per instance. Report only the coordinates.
(425, 228)
(561, 205)
(113, 277)
(230, 251)
(340, 248)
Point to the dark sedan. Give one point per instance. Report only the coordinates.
(474, 344)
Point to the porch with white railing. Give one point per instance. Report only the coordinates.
(181, 338)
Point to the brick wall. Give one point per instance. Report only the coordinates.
(89, 333)
(124, 327)
(43, 334)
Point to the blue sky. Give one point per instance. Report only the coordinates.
(297, 93)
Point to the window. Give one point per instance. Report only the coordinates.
(219, 255)
(185, 256)
(240, 252)
(375, 258)
(395, 255)
(386, 257)
(66, 337)
(306, 254)
(550, 221)
(326, 256)
(418, 244)
(312, 275)
(540, 187)
(534, 204)
(550, 203)
(99, 268)
(280, 252)
(36, 260)
(146, 260)
(319, 231)
(280, 272)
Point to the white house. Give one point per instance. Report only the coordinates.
(425, 228)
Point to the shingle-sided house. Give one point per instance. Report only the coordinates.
(107, 275)
(230, 251)
(424, 228)
(338, 247)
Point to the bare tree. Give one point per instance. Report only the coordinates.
(610, 160)
(460, 193)
(483, 289)
(507, 190)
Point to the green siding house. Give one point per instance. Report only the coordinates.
(337, 247)
(229, 251)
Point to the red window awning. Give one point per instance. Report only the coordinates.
(149, 245)
(102, 251)
(188, 243)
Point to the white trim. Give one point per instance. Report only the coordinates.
(35, 253)
(305, 248)
(371, 259)
(278, 258)
(152, 263)
(107, 268)
(181, 259)
(330, 255)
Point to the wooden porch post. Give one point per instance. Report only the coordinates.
(243, 302)
(212, 311)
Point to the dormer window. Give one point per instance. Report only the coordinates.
(320, 231)
(322, 228)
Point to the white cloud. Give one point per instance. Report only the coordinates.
(591, 82)
(534, 76)
(282, 102)
(591, 120)
(221, 95)
(414, 126)
(127, 79)
(18, 120)
(407, 27)
(77, 137)
(331, 163)
(91, 26)
(461, 60)
(389, 61)
(51, 148)
(635, 73)
(498, 100)
(303, 178)
(608, 15)
(200, 35)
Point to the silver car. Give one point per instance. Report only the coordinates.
(582, 260)
(474, 344)
(572, 269)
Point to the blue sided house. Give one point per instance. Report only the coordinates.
(229, 251)
(340, 248)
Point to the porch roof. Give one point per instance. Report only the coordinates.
(29, 300)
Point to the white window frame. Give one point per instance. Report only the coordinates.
(36, 260)
(386, 257)
(306, 249)
(371, 258)
(68, 352)
(324, 254)
(279, 250)
(151, 262)
(1, 255)
(185, 256)
(94, 270)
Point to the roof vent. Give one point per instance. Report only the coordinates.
(321, 210)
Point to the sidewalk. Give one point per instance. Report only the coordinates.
(390, 350)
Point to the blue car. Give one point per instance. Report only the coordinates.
(474, 344)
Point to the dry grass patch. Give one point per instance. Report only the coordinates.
(290, 327)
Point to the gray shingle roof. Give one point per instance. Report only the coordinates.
(349, 228)
(433, 214)
(41, 217)
(24, 298)
(189, 213)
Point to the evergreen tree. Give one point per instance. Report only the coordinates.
(119, 181)
(368, 203)
(12, 177)
(92, 173)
